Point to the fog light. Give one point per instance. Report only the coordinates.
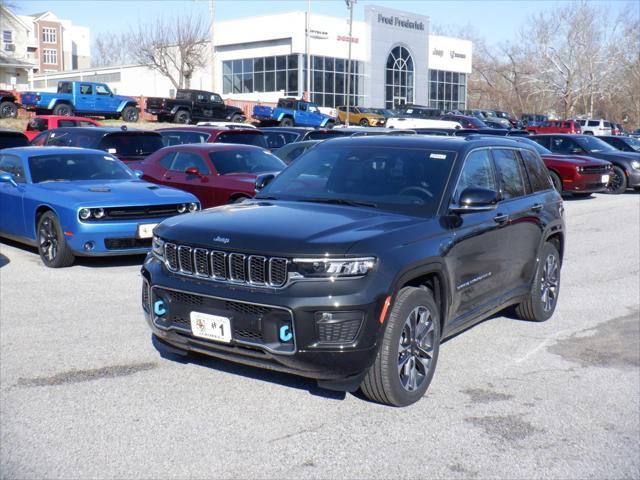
(338, 327)
(88, 246)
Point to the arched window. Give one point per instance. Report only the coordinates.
(399, 78)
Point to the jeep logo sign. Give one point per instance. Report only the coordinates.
(396, 21)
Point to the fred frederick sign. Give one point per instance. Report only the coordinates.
(395, 21)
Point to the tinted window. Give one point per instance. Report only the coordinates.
(245, 161)
(593, 123)
(184, 160)
(399, 179)
(131, 145)
(9, 140)
(180, 138)
(256, 139)
(67, 123)
(279, 139)
(84, 123)
(324, 134)
(511, 182)
(607, 125)
(37, 125)
(563, 145)
(13, 165)
(538, 173)
(167, 160)
(77, 166)
(593, 144)
(476, 173)
(86, 89)
(39, 140)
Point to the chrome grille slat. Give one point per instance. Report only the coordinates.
(232, 267)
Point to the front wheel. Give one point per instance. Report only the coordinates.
(130, 114)
(182, 116)
(557, 182)
(8, 110)
(286, 122)
(364, 122)
(543, 297)
(52, 246)
(408, 353)
(618, 181)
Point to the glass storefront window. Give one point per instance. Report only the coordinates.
(261, 74)
(399, 78)
(447, 90)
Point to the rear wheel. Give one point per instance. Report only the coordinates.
(543, 297)
(182, 116)
(63, 110)
(557, 182)
(8, 110)
(130, 114)
(236, 118)
(52, 246)
(286, 122)
(618, 181)
(407, 356)
(364, 122)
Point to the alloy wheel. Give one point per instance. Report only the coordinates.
(415, 352)
(615, 182)
(549, 283)
(48, 239)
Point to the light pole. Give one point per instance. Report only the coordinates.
(308, 53)
(212, 11)
(350, 4)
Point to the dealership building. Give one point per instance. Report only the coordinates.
(395, 60)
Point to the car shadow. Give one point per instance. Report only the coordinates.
(91, 262)
(247, 371)
(4, 260)
(573, 198)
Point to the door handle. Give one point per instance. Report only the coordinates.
(536, 207)
(500, 218)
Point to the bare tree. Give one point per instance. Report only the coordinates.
(175, 47)
(112, 49)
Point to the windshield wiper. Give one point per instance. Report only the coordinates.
(341, 201)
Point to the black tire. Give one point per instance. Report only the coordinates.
(63, 110)
(588, 133)
(130, 114)
(557, 182)
(286, 122)
(182, 116)
(618, 181)
(52, 246)
(538, 307)
(364, 122)
(384, 382)
(236, 118)
(8, 110)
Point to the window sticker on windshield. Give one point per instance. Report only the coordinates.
(111, 150)
(438, 156)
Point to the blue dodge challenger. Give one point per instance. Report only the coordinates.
(73, 201)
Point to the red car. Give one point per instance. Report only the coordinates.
(555, 126)
(579, 175)
(46, 122)
(215, 173)
(181, 135)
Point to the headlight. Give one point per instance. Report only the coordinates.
(333, 267)
(182, 208)
(84, 214)
(635, 164)
(98, 212)
(193, 207)
(157, 247)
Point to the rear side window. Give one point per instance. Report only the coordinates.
(184, 160)
(279, 139)
(13, 165)
(538, 173)
(37, 125)
(179, 138)
(245, 161)
(167, 160)
(593, 123)
(607, 125)
(256, 139)
(86, 89)
(511, 180)
(67, 123)
(476, 173)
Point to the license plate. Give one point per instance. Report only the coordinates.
(605, 178)
(211, 327)
(146, 230)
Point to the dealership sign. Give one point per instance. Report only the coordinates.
(396, 21)
(449, 54)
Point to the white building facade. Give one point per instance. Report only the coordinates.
(394, 61)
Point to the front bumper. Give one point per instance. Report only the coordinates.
(585, 183)
(633, 177)
(334, 353)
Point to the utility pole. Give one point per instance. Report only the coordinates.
(350, 4)
(308, 87)
(212, 11)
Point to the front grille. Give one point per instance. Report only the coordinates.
(226, 267)
(137, 213)
(596, 169)
(126, 243)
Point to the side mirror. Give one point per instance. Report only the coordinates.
(263, 180)
(193, 171)
(138, 173)
(476, 200)
(7, 178)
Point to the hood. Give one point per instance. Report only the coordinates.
(617, 155)
(575, 159)
(115, 193)
(247, 177)
(283, 228)
(124, 98)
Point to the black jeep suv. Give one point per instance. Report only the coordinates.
(354, 263)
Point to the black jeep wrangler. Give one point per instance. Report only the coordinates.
(193, 106)
(354, 263)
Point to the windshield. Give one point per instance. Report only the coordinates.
(131, 145)
(245, 161)
(593, 144)
(399, 179)
(633, 143)
(243, 138)
(70, 167)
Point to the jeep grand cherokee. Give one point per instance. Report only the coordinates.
(354, 263)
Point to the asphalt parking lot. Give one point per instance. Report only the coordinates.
(85, 394)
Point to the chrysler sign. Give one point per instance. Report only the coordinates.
(396, 21)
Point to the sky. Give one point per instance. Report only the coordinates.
(495, 20)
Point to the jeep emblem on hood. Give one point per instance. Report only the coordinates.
(220, 239)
